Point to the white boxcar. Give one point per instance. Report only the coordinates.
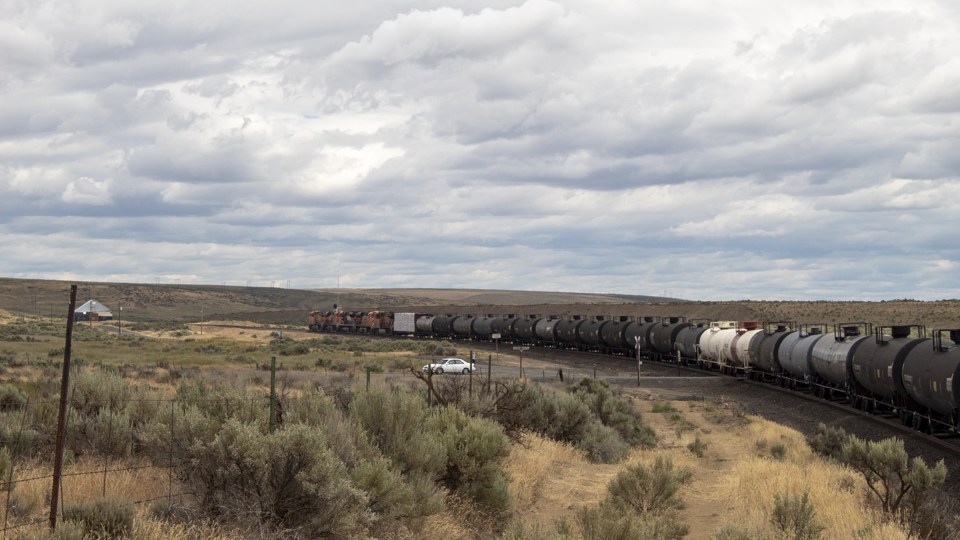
(404, 323)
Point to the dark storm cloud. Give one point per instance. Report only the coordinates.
(802, 150)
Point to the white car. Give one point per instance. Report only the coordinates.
(450, 365)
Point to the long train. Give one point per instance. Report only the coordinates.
(895, 371)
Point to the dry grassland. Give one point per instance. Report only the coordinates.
(735, 481)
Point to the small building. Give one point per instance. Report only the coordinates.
(92, 311)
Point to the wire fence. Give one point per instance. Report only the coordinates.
(105, 454)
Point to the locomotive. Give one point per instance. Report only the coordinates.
(360, 322)
(894, 371)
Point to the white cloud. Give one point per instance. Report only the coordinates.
(87, 191)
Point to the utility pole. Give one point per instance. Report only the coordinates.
(120, 320)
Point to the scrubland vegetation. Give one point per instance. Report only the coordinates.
(191, 457)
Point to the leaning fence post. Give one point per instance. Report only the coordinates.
(273, 391)
(61, 423)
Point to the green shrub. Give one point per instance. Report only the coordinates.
(339, 366)
(611, 521)
(697, 447)
(11, 397)
(54, 353)
(663, 409)
(210, 348)
(474, 449)
(652, 490)
(615, 411)
(91, 391)
(828, 442)
(562, 417)
(143, 406)
(103, 518)
(778, 451)
(108, 433)
(602, 444)
(12, 438)
(224, 402)
(675, 417)
(393, 496)
(902, 487)
(374, 368)
(641, 503)
(289, 480)
(397, 424)
(796, 517)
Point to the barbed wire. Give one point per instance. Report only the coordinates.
(18, 454)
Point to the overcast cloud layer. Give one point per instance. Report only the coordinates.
(724, 150)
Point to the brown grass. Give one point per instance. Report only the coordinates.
(836, 492)
(532, 463)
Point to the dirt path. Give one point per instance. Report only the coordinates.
(572, 485)
(703, 495)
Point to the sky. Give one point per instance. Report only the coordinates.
(704, 150)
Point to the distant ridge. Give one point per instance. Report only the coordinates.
(503, 296)
(144, 301)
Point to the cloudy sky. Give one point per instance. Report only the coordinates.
(710, 150)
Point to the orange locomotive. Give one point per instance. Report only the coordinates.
(357, 322)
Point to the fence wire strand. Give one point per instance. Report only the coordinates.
(22, 458)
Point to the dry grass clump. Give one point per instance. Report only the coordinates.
(83, 481)
(529, 464)
(835, 491)
(144, 528)
(648, 458)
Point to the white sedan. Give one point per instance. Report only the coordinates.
(450, 365)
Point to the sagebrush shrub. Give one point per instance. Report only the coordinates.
(395, 496)
(828, 441)
(12, 438)
(778, 451)
(615, 411)
(397, 423)
(602, 444)
(11, 397)
(901, 486)
(475, 448)
(289, 480)
(697, 447)
(108, 433)
(652, 490)
(796, 517)
(610, 520)
(93, 390)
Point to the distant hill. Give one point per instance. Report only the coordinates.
(268, 305)
(167, 301)
(494, 296)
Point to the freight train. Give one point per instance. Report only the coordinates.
(895, 371)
